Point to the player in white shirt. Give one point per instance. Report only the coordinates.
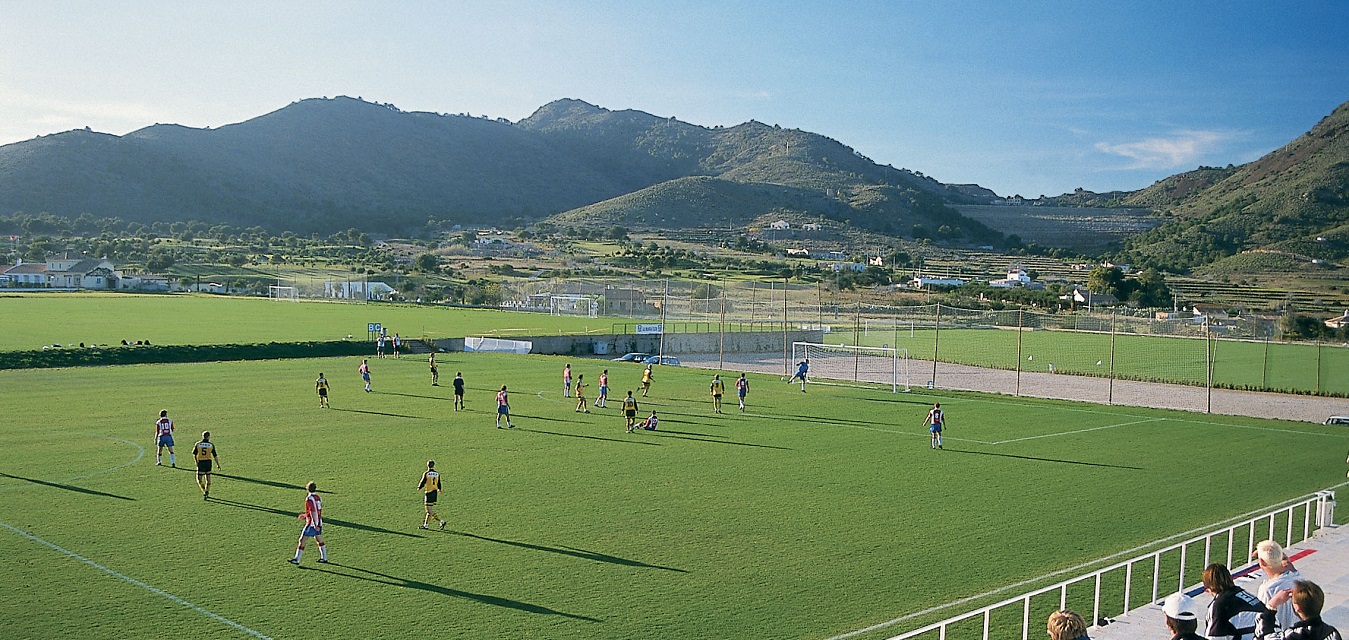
(313, 524)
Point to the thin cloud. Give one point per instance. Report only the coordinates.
(1181, 149)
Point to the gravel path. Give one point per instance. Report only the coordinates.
(1062, 387)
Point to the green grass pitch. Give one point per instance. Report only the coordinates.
(810, 515)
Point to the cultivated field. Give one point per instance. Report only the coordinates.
(808, 516)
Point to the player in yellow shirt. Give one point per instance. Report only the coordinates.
(321, 386)
(581, 394)
(646, 380)
(430, 486)
(718, 387)
(204, 452)
(630, 411)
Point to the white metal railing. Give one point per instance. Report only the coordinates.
(1318, 508)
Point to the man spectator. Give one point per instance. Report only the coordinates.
(1235, 612)
(1066, 625)
(1182, 617)
(1307, 602)
(1281, 573)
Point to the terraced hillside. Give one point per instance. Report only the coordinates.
(1085, 229)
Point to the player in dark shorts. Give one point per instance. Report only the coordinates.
(430, 486)
(458, 391)
(204, 452)
(630, 411)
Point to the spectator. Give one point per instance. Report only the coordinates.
(1281, 573)
(1182, 617)
(1235, 611)
(1066, 625)
(1307, 602)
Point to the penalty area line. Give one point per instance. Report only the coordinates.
(135, 582)
(1068, 433)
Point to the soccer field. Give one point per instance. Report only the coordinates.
(808, 516)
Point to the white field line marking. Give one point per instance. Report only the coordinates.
(138, 583)
(1067, 433)
(826, 421)
(140, 453)
(1078, 567)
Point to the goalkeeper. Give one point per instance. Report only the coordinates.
(801, 370)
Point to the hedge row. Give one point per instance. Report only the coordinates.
(102, 356)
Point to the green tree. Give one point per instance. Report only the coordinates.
(427, 263)
(1105, 280)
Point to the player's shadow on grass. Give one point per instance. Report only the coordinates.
(924, 403)
(686, 433)
(333, 521)
(395, 581)
(578, 435)
(269, 483)
(66, 487)
(673, 434)
(823, 420)
(570, 551)
(1079, 462)
(381, 413)
(413, 395)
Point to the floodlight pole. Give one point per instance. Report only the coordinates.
(1208, 362)
(721, 357)
(1110, 396)
(936, 339)
(664, 303)
(1020, 328)
(786, 364)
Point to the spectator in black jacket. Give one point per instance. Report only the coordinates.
(1235, 612)
(1307, 602)
(1182, 617)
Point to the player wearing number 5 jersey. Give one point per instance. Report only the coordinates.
(204, 453)
(164, 439)
(313, 524)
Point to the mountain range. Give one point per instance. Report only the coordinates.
(322, 165)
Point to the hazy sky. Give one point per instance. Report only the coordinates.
(1029, 98)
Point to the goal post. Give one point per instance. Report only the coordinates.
(853, 363)
(283, 293)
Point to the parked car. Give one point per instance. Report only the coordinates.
(632, 357)
(1337, 420)
(670, 360)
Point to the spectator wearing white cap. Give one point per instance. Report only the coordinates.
(1281, 573)
(1182, 617)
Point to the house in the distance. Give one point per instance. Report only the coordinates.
(1016, 277)
(358, 290)
(1339, 322)
(921, 282)
(65, 270)
(1081, 296)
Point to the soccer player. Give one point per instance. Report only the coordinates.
(164, 439)
(936, 419)
(742, 390)
(430, 484)
(801, 369)
(566, 381)
(379, 345)
(458, 390)
(581, 393)
(313, 524)
(364, 370)
(646, 381)
(630, 411)
(504, 408)
(204, 452)
(435, 373)
(603, 400)
(397, 342)
(321, 386)
(651, 421)
(718, 387)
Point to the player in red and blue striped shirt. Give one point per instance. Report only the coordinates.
(313, 527)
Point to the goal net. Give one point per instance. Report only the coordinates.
(283, 293)
(841, 362)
